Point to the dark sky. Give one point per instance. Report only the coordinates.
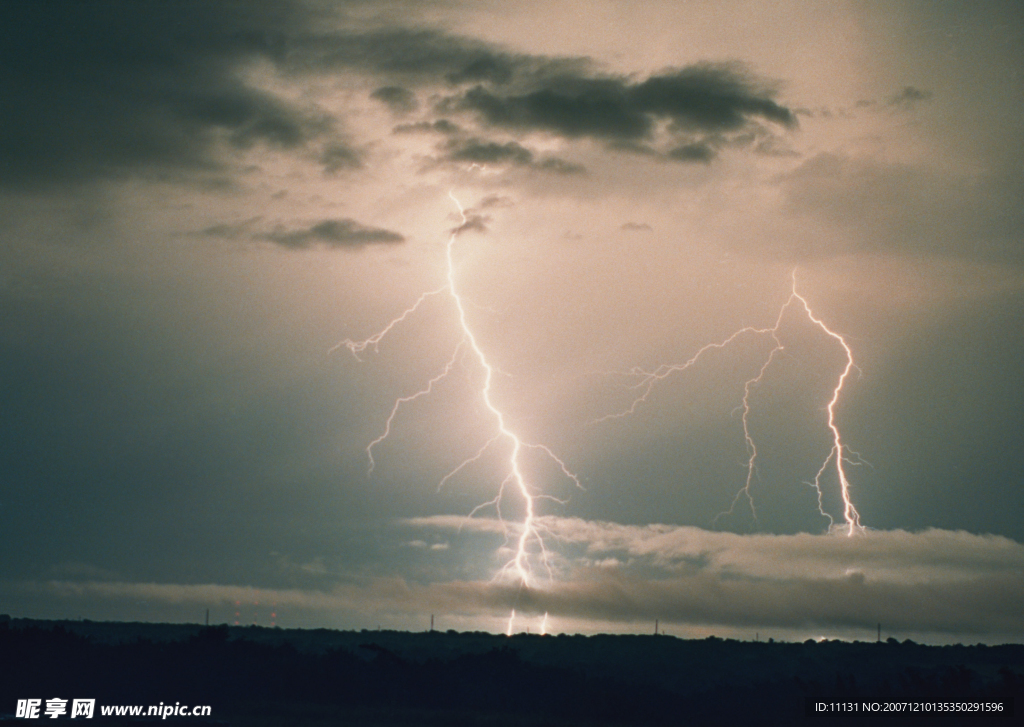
(202, 202)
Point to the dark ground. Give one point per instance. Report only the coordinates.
(259, 677)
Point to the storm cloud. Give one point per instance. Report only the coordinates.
(701, 98)
(334, 233)
(104, 89)
(114, 88)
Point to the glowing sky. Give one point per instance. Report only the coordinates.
(199, 201)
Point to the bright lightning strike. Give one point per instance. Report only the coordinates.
(839, 454)
(529, 544)
(850, 514)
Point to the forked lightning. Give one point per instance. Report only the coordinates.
(839, 453)
(529, 539)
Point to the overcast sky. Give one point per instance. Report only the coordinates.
(201, 202)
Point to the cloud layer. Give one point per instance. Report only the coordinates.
(115, 88)
(944, 583)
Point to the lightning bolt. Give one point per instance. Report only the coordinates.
(850, 514)
(529, 541)
(839, 455)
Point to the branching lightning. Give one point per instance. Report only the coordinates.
(357, 347)
(528, 545)
(850, 514)
(839, 454)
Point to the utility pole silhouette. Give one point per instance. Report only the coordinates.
(879, 633)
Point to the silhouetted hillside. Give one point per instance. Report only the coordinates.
(255, 676)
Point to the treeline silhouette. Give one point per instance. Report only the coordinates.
(252, 676)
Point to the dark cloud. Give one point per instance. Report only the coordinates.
(110, 88)
(100, 89)
(334, 233)
(476, 151)
(399, 100)
(489, 152)
(564, 96)
(703, 97)
(600, 110)
(697, 152)
(708, 97)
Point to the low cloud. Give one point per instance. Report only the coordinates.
(513, 153)
(931, 581)
(979, 605)
(489, 152)
(343, 233)
(399, 100)
(895, 555)
(336, 233)
(698, 152)
(947, 583)
(610, 593)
